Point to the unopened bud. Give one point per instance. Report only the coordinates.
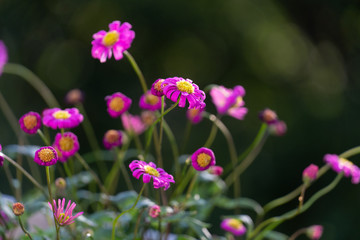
(74, 96)
(18, 209)
(278, 129)
(60, 183)
(268, 116)
(154, 211)
(216, 170)
(314, 232)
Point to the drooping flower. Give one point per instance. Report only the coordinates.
(1, 157)
(161, 179)
(268, 116)
(57, 118)
(188, 91)
(3, 56)
(157, 87)
(46, 156)
(133, 124)
(64, 216)
(195, 115)
(113, 138)
(117, 40)
(216, 170)
(18, 209)
(150, 102)
(154, 211)
(343, 165)
(30, 122)
(202, 159)
(310, 173)
(229, 101)
(233, 225)
(314, 232)
(117, 104)
(67, 143)
(74, 96)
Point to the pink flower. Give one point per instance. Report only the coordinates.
(1, 157)
(157, 88)
(229, 101)
(343, 165)
(46, 156)
(310, 173)
(67, 143)
(216, 170)
(30, 122)
(195, 115)
(113, 138)
(314, 232)
(278, 128)
(150, 102)
(202, 159)
(233, 225)
(61, 157)
(133, 124)
(154, 211)
(64, 216)
(150, 171)
(3, 56)
(57, 118)
(117, 40)
(117, 104)
(74, 96)
(268, 116)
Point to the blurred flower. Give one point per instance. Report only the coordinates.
(133, 124)
(74, 96)
(113, 138)
(202, 159)
(18, 209)
(157, 87)
(343, 165)
(268, 116)
(60, 183)
(310, 173)
(30, 122)
(64, 216)
(67, 143)
(188, 91)
(3, 56)
(195, 115)
(117, 104)
(150, 102)
(216, 170)
(233, 225)
(148, 117)
(46, 156)
(229, 101)
(57, 118)
(1, 157)
(3, 218)
(117, 40)
(154, 211)
(148, 171)
(61, 157)
(278, 128)
(314, 232)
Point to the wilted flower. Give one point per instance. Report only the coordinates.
(74, 96)
(310, 173)
(30, 122)
(64, 216)
(154, 211)
(216, 170)
(117, 40)
(233, 225)
(57, 118)
(117, 104)
(157, 87)
(343, 165)
(150, 102)
(67, 143)
(202, 159)
(133, 124)
(195, 115)
(314, 232)
(46, 156)
(18, 209)
(3, 56)
(113, 138)
(150, 171)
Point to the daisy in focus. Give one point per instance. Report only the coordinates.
(343, 165)
(64, 216)
(30, 122)
(57, 118)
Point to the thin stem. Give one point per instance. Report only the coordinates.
(138, 223)
(41, 134)
(211, 136)
(124, 172)
(10, 179)
(297, 233)
(57, 227)
(174, 147)
(191, 186)
(137, 70)
(23, 228)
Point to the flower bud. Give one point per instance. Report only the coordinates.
(314, 232)
(60, 183)
(216, 170)
(278, 128)
(268, 116)
(74, 97)
(18, 209)
(154, 211)
(310, 173)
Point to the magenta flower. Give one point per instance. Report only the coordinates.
(67, 143)
(195, 115)
(148, 117)
(3, 56)
(74, 96)
(216, 170)
(61, 157)
(202, 159)
(229, 101)
(268, 116)
(113, 138)
(150, 171)
(57, 118)
(64, 216)
(343, 165)
(30, 122)
(117, 40)
(233, 225)
(310, 173)
(117, 104)
(157, 88)
(148, 101)
(154, 211)
(1, 157)
(314, 232)
(46, 156)
(278, 128)
(188, 91)
(133, 124)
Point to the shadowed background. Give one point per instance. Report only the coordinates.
(298, 58)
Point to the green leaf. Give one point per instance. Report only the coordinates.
(246, 203)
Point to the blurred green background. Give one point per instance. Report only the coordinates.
(299, 58)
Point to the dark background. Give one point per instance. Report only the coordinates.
(300, 58)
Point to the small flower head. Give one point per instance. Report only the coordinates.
(149, 101)
(233, 225)
(64, 216)
(343, 165)
(60, 183)
(113, 138)
(30, 122)
(148, 117)
(157, 87)
(3, 56)
(57, 118)
(195, 115)
(310, 173)
(46, 156)
(74, 96)
(154, 211)
(133, 124)
(229, 101)
(202, 159)
(1, 157)
(278, 128)
(216, 170)
(67, 143)
(268, 116)
(314, 232)
(18, 209)
(188, 91)
(161, 179)
(117, 104)
(117, 40)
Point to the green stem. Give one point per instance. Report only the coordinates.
(117, 218)
(45, 140)
(137, 70)
(23, 228)
(57, 227)
(138, 223)
(211, 136)
(186, 135)
(192, 185)
(174, 147)
(297, 233)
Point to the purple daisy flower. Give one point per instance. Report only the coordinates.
(3, 56)
(117, 104)
(57, 118)
(343, 165)
(229, 101)
(117, 40)
(67, 143)
(233, 225)
(157, 88)
(1, 157)
(149, 101)
(188, 91)
(46, 156)
(113, 138)
(133, 124)
(195, 115)
(30, 122)
(150, 171)
(202, 159)
(64, 216)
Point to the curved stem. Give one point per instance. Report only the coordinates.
(57, 227)
(23, 228)
(174, 147)
(137, 70)
(211, 136)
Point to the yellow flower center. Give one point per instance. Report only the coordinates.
(203, 159)
(66, 144)
(235, 223)
(185, 86)
(61, 114)
(151, 99)
(62, 218)
(157, 85)
(112, 136)
(345, 162)
(117, 104)
(30, 121)
(152, 171)
(238, 102)
(46, 155)
(110, 38)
